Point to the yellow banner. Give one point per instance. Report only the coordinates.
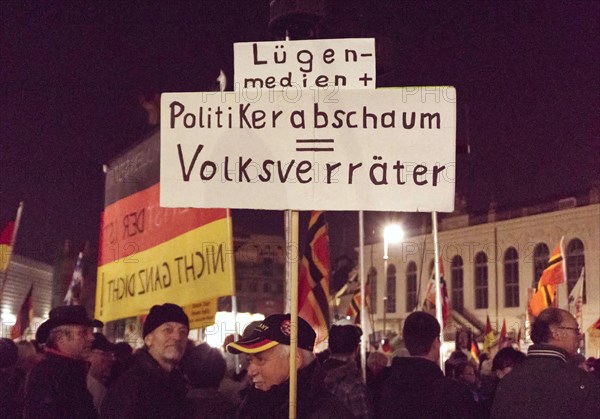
(192, 267)
(201, 314)
(5, 252)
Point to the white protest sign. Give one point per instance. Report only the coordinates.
(339, 63)
(383, 150)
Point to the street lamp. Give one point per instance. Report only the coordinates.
(392, 233)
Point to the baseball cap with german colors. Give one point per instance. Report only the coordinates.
(272, 331)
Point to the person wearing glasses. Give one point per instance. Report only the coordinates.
(545, 384)
(56, 387)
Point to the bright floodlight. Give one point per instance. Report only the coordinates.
(393, 233)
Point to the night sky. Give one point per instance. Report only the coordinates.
(526, 73)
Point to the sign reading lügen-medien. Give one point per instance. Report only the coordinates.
(344, 64)
(388, 150)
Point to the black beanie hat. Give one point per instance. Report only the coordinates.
(163, 314)
(344, 339)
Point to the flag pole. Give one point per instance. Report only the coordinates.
(421, 271)
(438, 293)
(222, 80)
(363, 314)
(17, 223)
(234, 309)
(291, 232)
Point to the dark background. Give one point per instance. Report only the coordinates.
(526, 73)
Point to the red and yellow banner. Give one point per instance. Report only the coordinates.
(6, 245)
(152, 255)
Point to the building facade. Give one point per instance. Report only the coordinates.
(260, 273)
(491, 264)
(26, 274)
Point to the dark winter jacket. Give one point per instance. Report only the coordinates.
(56, 388)
(343, 380)
(544, 385)
(313, 400)
(146, 390)
(209, 403)
(417, 388)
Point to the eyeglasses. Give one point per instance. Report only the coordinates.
(575, 329)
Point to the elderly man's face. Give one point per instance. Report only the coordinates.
(76, 341)
(167, 342)
(269, 368)
(566, 334)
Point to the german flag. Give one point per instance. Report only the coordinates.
(313, 282)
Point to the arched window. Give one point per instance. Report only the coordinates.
(372, 286)
(391, 289)
(575, 263)
(511, 278)
(481, 280)
(457, 283)
(541, 254)
(411, 287)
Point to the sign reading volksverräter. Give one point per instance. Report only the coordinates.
(387, 149)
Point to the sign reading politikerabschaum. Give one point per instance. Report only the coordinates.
(334, 149)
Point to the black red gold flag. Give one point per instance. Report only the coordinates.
(313, 282)
(23, 317)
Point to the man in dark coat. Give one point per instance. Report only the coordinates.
(154, 387)
(205, 368)
(342, 374)
(268, 349)
(416, 386)
(56, 387)
(544, 384)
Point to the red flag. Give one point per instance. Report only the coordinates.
(544, 297)
(553, 275)
(23, 316)
(503, 331)
(6, 245)
(354, 308)
(430, 293)
(475, 351)
(313, 283)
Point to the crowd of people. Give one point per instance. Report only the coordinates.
(71, 372)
